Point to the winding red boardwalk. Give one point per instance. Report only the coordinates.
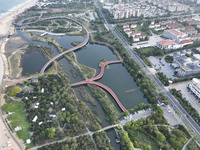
(103, 68)
(67, 51)
(91, 81)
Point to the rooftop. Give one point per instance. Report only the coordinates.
(166, 42)
(186, 42)
(176, 32)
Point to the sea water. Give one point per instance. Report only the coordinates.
(8, 6)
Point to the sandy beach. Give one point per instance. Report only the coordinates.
(6, 22)
(6, 28)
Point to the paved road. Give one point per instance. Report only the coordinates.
(157, 82)
(184, 147)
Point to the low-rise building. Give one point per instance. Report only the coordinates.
(160, 102)
(195, 37)
(40, 123)
(128, 33)
(136, 39)
(52, 115)
(126, 26)
(18, 129)
(134, 25)
(185, 42)
(174, 35)
(188, 66)
(35, 119)
(34, 79)
(167, 44)
(195, 87)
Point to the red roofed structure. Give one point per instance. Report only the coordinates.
(128, 32)
(186, 42)
(126, 26)
(126, 29)
(132, 34)
(136, 39)
(174, 35)
(133, 25)
(166, 44)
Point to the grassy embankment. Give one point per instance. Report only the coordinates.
(18, 118)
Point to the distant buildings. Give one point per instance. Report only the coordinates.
(195, 87)
(136, 35)
(134, 9)
(169, 5)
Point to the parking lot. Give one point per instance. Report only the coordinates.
(182, 86)
(162, 66)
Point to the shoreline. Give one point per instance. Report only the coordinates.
(6, 21)
(7, 28)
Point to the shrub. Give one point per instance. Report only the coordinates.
(12, 94)
(16, 89)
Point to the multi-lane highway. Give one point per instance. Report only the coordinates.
(190, 121)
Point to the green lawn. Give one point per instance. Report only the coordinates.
(18, 118)
(142, 29)
(146, 140)
(192, 146)
(150, 51)
(147, 50)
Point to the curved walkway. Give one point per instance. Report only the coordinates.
(103, 68)
(91, 81)
(184, 147)
(67, 51)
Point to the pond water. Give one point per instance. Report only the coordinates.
(32, 62)
(115, 77)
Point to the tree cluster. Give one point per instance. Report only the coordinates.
(156, 128)
(56, 96)
(102, 141)
(82, 142)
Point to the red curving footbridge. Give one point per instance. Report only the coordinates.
(103, 68)
(67, 51)
(91, 81)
